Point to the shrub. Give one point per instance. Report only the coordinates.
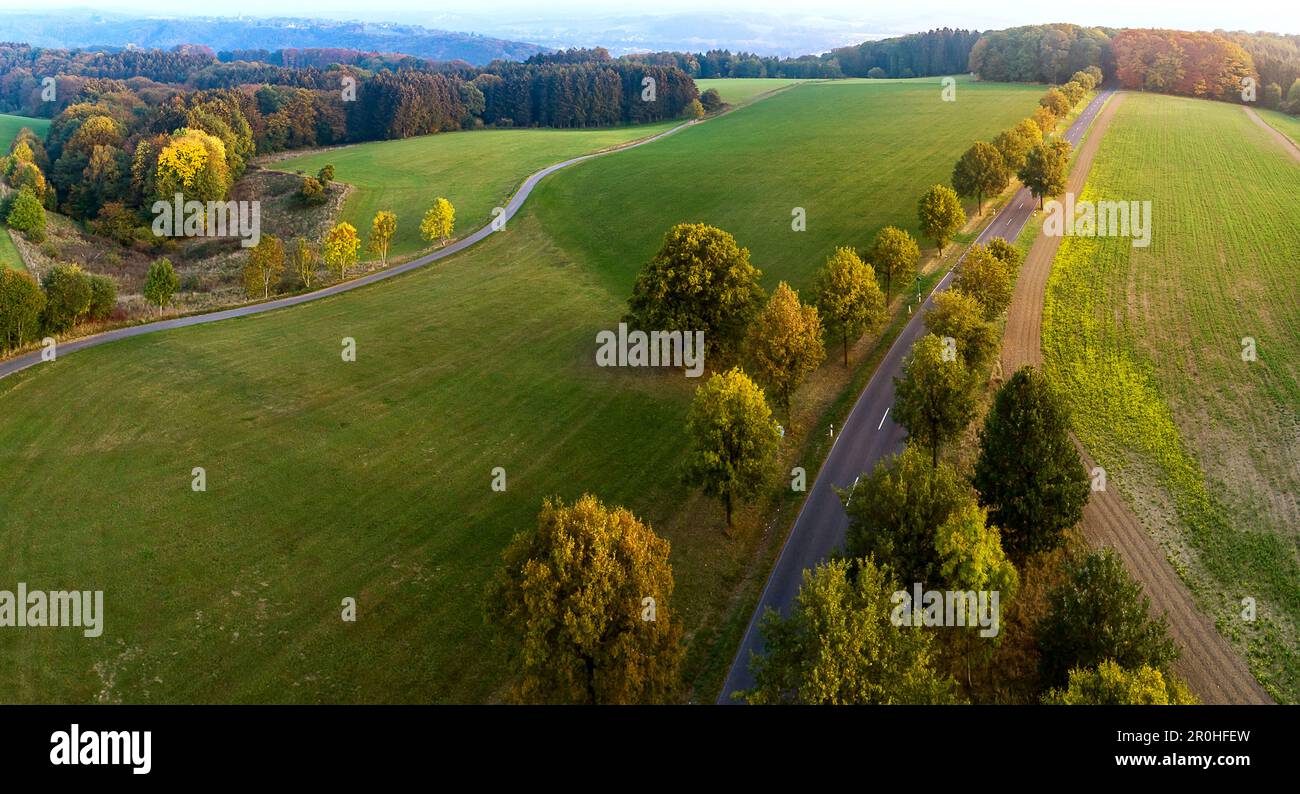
(67, 297)
(103, 297)
(21, 305)
(27, 215)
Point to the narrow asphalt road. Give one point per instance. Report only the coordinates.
(868, 435)
(516, 201)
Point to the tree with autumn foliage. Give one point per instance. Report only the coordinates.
(785, 344)
(192, 163)
(382, 229)
(941, 214)
(894, 255)
(1108, 684)
(848, 297)
(585, 600)
(839, 646)
(339, 249)
(439, 222)
(1046, 169)
(701, 279)
(987, 279)
(264, 266)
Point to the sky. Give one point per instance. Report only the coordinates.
(883, 16)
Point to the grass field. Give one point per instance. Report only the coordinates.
(476, 171)
(742, 90)
(10, 125)
(1148, 343)
(372, 479)
(881, 144)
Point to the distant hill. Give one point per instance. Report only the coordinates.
(83, 28)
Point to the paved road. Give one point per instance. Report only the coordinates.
(868, 435)
(19, 363)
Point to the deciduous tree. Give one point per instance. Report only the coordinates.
(264, 266)
(161, 283)
(700, 280)
(839, 646)
(734, 440)
(1100, 613)
(895, 511)
(941, 215)
(1111, 685)
(585, 599)
(935, 398)
(848, 297)
(894, 255)
(980, 172)
(987, 279)
(785, 344)
(959, 316)
(1047, 167)
(339, 249)
(382, 229)
(1028, 472)
(439, 222)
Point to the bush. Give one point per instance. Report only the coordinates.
(27, 215)
(161, 282)
(67, 297)
(326, 174)
(312, 191)
(712, 100)
(21, 306)
(876, 73)
(103, 297)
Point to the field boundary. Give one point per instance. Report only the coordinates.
(1282, 138)
(1212, 668)
(22, 362)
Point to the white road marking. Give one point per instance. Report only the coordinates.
(882, 419)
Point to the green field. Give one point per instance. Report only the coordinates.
(476, 171)
(1148, 344)
(880, 144)
(741, 90)
(372, 479)
(10, 125)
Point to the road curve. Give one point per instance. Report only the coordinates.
(867, 436)
(1212, 669)
(19, 363)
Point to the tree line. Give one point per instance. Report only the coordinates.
(935, 52)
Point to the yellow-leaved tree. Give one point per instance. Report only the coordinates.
(439, 221)
(339, 249)
(382, 229)
(192, 163)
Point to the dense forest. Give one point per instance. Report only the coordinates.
(944, 51)
(1216, 65)
(1041, 53)
(724, 63)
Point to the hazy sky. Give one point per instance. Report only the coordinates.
(1275, 15)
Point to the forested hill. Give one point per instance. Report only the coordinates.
(70, 29)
